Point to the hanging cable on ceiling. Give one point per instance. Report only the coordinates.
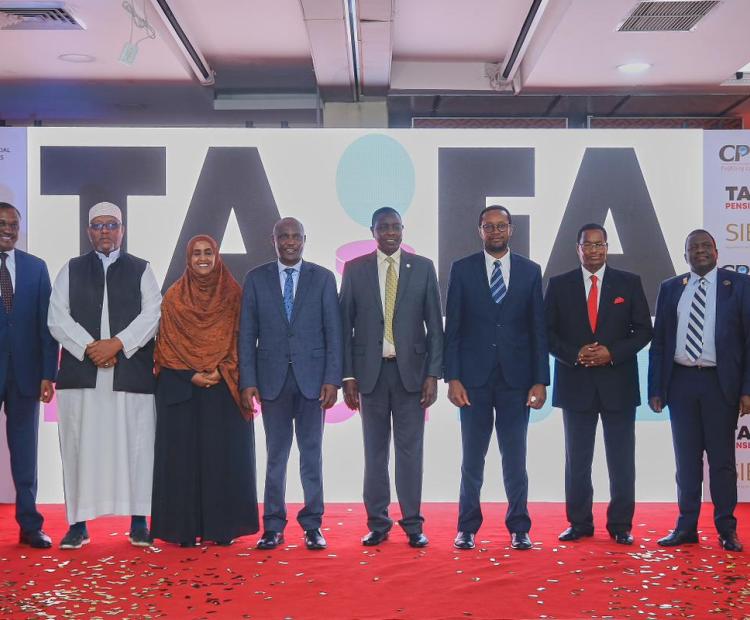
(139, 21)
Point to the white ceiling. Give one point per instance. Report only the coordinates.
(403, 46)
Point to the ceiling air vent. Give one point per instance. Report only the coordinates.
(667, 16)
(37, 16)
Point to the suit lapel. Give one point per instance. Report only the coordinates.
(484, 284)
(303, 286)
(274, 288)
(404, 276)
(21, 278)
(723, 293)
(577, 300)
(371, 268)
(677, 293)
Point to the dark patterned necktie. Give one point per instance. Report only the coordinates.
(289, 292)
(6, 284)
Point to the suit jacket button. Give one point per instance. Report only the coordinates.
(380, 342)
(494, 345)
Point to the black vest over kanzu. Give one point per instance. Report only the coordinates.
(86, 275)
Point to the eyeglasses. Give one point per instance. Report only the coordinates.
(588, 246)
(105, 226)
(488, 228)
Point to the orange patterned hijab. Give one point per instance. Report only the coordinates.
(200, 317)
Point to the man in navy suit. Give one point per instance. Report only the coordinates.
(290, 350)
(495, 357)
(597, 321)
(28, 361)
(699, 366)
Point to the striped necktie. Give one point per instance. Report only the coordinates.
(694, 338)
(497, 283)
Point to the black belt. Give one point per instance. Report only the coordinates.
(389, 359)
(704, 368)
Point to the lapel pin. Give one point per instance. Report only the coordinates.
(684, 281)
(726, 282)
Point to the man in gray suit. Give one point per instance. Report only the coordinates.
(290, 361)
(393, 339)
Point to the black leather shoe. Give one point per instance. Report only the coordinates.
(520, 541)
(622, 538)
(314, 540)
(224, 542)
(464, 540)
(270, 540)
(36, 539)
(678, 537)
(374, 538)
(573, 534)
(729, 542)
(418, 540)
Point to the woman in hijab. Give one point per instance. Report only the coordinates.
(204, 464)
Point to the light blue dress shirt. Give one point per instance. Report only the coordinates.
(283, 276)
(708, 355)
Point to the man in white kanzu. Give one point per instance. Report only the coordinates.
(104, 311)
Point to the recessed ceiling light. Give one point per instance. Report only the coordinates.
(77, 58)
(634, 67)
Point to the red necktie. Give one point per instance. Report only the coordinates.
(6, 284)
(593, 294)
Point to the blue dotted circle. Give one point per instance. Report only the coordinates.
(374, 171)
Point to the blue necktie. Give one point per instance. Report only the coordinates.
(497, 284)
(289, 292)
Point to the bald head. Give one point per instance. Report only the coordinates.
(289, 240)
(285, 221)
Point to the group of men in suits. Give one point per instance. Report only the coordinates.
(382, 338)
(699, 365)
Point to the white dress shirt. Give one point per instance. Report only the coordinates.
(587, 282)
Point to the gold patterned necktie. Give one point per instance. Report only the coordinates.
(391, 285)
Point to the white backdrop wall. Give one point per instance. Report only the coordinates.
(332, 180)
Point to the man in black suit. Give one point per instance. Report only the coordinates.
(28, 363)
(497, 367)
(393, 352)
(699, 366)
(597, 320)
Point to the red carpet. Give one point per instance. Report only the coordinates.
(591, 579)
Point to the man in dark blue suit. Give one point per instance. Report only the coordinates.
(290, 350)
(699, 366)
(28, 361)
(495, 357)
(597, 321)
